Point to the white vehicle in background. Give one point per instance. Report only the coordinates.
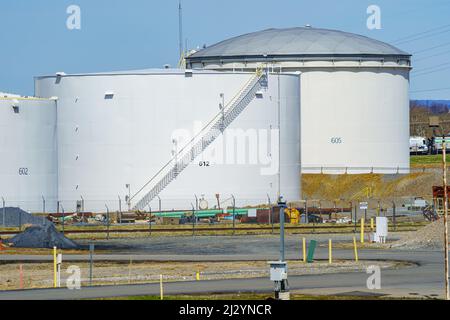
(418, 145)
(417, 204)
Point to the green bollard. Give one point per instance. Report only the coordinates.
(311, 250)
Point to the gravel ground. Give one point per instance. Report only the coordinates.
(428, 237)
(40, 275)
(217, 245)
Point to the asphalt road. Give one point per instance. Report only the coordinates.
(424, 279)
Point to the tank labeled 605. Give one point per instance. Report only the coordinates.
(336, 140)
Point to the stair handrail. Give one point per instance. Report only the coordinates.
(256, 77)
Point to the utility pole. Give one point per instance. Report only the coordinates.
(444, 173)
(279, 269)
(180, 29)
(279, 135)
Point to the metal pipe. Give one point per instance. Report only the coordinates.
(159, 203)
(43, 204)
(91, 262)
(63, 219)
(282, 206)
(82, 208)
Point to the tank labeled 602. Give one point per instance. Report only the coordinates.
(23, 171)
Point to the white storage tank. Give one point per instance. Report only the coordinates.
(117, 130)
(354, 94)
(28, 162)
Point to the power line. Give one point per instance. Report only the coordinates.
(432, 56)
(431, 68)
(424, 37)
(421, 35)
(430, 90)
(429, 72)
(432, 48)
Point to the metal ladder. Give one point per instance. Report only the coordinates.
(201, 141)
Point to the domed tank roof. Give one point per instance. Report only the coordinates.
(300, 41)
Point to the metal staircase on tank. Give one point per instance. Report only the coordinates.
(201, 141)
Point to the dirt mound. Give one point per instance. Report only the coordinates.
(42, 236)
(16, 217)
(354, 187)
(428, 237)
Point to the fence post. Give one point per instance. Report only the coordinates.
(20, 220)
(4, 212)
(335, 211)
(43, 204)
(234, 213)
(270, 211)
(82, 209)
(120, 210)
(107, 222)
(314, 221)
(193, 220)
(63, 219)
(150, 221)
(394, 215)
(306, 212)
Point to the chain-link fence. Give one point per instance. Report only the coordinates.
(213, 213)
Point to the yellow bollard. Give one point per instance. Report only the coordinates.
(330, 251)
(161, 290)
(356, 249)
(197, 276)
(362, 230)
(304, 250)
(55, 268)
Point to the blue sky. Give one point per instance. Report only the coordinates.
(133, 34)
